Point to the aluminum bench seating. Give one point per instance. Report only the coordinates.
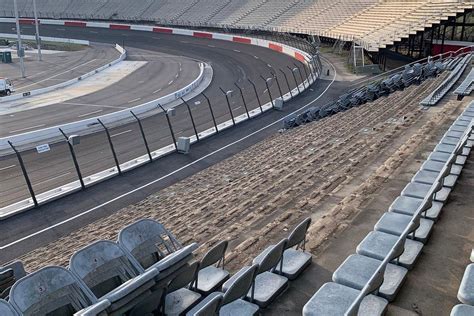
(154, 247)
(212, 273)
(335, 299)
(466, 289)
(462, 310)
(234, 292)
(179, 296)
(6, 309)
(50, 290)
(268, 283)
(111, 273)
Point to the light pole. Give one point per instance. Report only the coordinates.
(287, 83)
(19, 47)
(228, 103)
(301, 75)
(38, 39)
(243, 99)
(278, 84)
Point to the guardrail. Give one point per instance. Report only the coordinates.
(27, 94)
(47, 39)
(89, 126)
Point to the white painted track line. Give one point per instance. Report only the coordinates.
(13, 243)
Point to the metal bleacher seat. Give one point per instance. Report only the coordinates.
(50, 291)
(212, 273)
(6, 309)
(9, 274)
(154, 247)
(234, 292)
(268, 283)
(112, 274)
(180, 297)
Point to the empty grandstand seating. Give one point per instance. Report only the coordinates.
(373, 24)
(379, 267)
(466, 87)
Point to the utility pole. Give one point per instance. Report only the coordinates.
(38, 39)
(20, 51)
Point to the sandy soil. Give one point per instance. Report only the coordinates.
(323, 170)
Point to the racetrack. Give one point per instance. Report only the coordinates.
(231, 62)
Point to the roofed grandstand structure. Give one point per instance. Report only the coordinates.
(373, 24)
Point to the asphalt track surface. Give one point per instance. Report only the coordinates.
(231, 62)
(34, 228)
(161, 75)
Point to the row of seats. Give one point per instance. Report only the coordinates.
(373, 24)
(367, 280)
(466, 87)
(106, 277)
(434, 97)
(147, 271)
(466, 292)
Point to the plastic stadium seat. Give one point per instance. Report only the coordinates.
(212, 273)
(54, 290)
(110, 273)
(378, 244)
(179, 296)
(466, 289)
(421, 190)
(210, 307)
(234, 290)
(408, 206)
(6, 309)
(395, 223)
(268, 285)
(154, 247)
(356, 271)
(335, 299)
(9, 274)
(462, 310)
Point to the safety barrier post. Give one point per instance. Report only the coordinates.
(228, 104)
(287, 83)
(268, 89)
(256, 94)
(192, 119)
(169, 125)
(212, 112)
(111, 146)
(293, 70)
(243, 99)
(74, 158)
(25, 174)
(278, 84)
(301, 74)
(143, 136)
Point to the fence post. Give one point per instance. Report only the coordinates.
(256, 94)
(25, 174)
(192, 119)
(278, 84)
(212, 112)
(111, 146)
(74, 159)
(301, 74)
(228, 104)
(243, 99)
(306, 73)
(170, 126)
(268, 89)
(143, 135)
(293, 70)
(287, 83)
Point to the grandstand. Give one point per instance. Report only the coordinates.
(372, 24)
